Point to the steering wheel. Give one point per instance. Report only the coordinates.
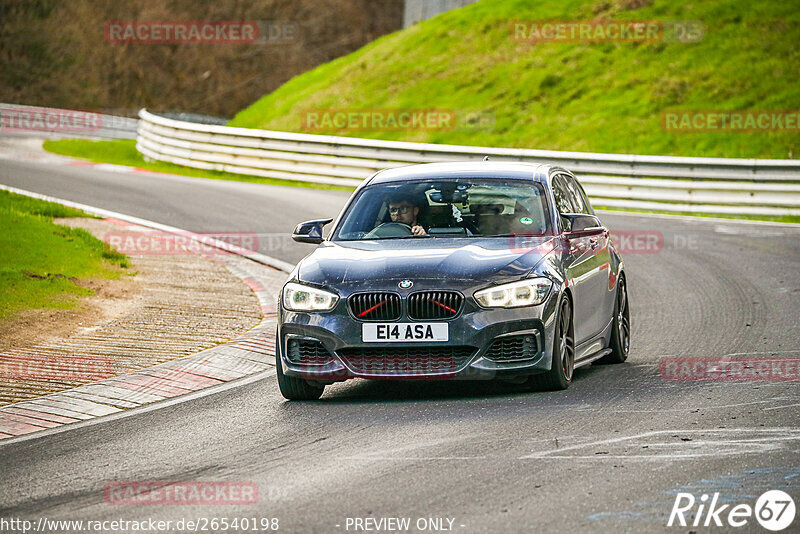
(390, 229)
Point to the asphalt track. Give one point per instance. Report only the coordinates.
(608, 455)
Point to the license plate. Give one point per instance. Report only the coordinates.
(403, 332)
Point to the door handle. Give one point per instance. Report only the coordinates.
(593, 242)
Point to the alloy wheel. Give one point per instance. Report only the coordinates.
(623, 319)
(566, 347)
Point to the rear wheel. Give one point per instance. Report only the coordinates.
(560, 374)
(294, 388)
(621, 329)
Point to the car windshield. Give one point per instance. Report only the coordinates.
(461, 207)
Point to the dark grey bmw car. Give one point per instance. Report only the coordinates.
(454, 270)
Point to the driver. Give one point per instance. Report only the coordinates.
(405, 210)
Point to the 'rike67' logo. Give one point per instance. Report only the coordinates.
(774, 510)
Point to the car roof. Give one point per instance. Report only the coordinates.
(537, 172)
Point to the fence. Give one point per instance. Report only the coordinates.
(665, 183)
(37, 121)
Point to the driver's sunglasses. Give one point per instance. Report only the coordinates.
(400, 209)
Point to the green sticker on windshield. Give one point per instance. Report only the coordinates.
(526, 220)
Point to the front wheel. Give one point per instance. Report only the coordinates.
(293, 388)
(560, 374)
(621, 329)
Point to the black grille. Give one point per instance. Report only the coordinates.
(375, 306)
(513, 348)
(434, 304)
(307, 352)
(407, 361)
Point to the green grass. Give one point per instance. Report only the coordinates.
(123, 152)
(595, 97)
(793, 219)
(42, 265)
(34, 206)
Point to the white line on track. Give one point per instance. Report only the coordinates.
(717, 407)
(730, 442)
(781, 407)
(100, 212)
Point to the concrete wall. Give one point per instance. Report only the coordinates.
(417, 10)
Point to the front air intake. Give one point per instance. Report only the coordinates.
(307, 352)
(375, 306)
(513, 348)
(434, 304)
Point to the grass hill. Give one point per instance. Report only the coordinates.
(582, 96)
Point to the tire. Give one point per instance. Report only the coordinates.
(560, 374)
(293, 388)
(621, 328)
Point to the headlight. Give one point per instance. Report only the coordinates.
(297, 297)
(523, 293)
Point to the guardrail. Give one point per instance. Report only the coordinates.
(665, 183)
(37, 121)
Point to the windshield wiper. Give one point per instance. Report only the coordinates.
(513, 235)
(413, 236)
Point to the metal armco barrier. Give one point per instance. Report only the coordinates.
(664, 183)
(35, 121)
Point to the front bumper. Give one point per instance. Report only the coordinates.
(468, 354)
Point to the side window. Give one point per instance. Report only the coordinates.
(562, 196)
(586, 201)
(577, 195)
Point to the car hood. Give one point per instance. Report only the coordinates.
(377, 264)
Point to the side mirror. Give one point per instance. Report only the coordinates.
(582, 225)
(310, 231)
